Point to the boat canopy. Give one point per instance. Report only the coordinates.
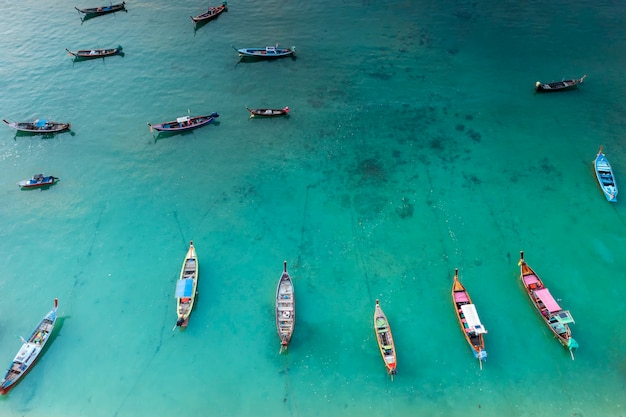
(182, 119)
(460, 297)
(530, 279)
(547, 299)
(25, 353)
(184, 288)
(41, 122)
(564, 317)
(381, 323)
(472, 319)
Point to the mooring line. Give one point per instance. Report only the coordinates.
(164, 330)
(359, 253)
(438, 220)
(302, 225)
(289, 388)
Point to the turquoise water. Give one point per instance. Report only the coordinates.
(415, 145)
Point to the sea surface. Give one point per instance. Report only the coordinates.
(415, 145)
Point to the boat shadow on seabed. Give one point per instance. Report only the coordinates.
(165, 135)
(253, 59)
(20, 134)
(86, 17)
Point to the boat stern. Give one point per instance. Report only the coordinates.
(4, 390)
(572, 344)
(481, 354)
(182, 322)
(611, 196)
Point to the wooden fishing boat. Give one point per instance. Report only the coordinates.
(95, 53)
(184, 123)
(99, 11)
(385, 340)
(285, 308)
(186, 287)
(559, 85)
(470, 324)
(37, 181)
(553, 315)
(38, 126)
(30, 351)
(267, 52)
(605, 176)
(268, 112)
(210, 14)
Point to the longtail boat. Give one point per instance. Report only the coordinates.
(268, 112)
(553, 315)
(466, 313)
(385, 340)
(268, 52)
(37, 181)
(210, 14)
(99, 11)
(186, 287)
(605, 176)
(285, 308)
(184, 123)
(95, 53)
(564, 85)
(38, 126)
(30, 351)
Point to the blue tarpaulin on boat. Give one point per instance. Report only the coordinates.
(184, 288)
(40, 123)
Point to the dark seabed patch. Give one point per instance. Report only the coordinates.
(405, 209)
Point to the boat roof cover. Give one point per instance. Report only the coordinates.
(547, 299)
(182, 119)
(184, 288)
(530, 279)
(564, 317)
(472, 319)
(460, 297)
(25, 352)
(41, 122)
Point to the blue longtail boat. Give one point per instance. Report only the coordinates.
(604, 174)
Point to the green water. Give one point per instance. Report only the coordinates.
(415, 145)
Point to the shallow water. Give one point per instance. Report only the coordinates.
(415, 145)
